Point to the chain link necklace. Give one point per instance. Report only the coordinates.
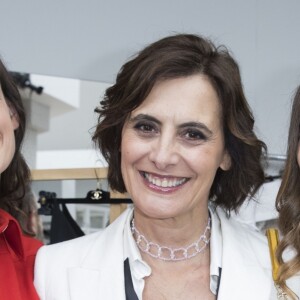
(171, 254)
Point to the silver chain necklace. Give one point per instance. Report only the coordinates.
(168, 253)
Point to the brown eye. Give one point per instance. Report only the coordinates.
(194, 135)
(145, 128)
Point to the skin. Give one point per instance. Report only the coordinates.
(172, 145)
(175, 136)
(8, 123)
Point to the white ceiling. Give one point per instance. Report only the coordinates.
(92, 39)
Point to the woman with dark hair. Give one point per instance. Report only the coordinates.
(288, 205)
(17, 251)
(177, 133)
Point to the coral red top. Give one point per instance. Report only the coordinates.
(17, 255)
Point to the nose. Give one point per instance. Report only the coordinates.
(164, 152)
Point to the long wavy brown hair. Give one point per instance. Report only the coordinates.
(14, 179)
(288, 203)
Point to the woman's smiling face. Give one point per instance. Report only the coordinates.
(8, 123)
(172, 146)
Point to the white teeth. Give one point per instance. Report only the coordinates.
(165, 182)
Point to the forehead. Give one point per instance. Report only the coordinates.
(185, 97)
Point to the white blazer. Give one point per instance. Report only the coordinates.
(92, 267)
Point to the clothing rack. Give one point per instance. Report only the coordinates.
(270, 178)
(118, 202)
(276, 157)
(277, 162)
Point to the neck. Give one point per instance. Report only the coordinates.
(175, 232)
(171, 253)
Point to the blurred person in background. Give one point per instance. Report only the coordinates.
(17, 250)
(288, 206)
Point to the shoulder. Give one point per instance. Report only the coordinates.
(243, 239)
(19, 242)
(53, 262)
(76, 250)
(56, 264)
(239, 229)
(31, 245)
(69, 250)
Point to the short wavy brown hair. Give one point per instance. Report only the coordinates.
(14, 179)
(183, 55)
(288, 201)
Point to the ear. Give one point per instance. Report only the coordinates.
(226, 161)
(14, 118)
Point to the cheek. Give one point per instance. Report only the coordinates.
(126, 150)
(206, 159)
(7, 151)
(131, 153)
(128, 154)
(132, 147)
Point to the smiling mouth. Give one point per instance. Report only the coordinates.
(164, 182)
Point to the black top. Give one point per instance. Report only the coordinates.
(129, 290)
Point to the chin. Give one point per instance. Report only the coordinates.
(157, 212)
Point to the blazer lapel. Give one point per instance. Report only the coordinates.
(84, 284)
(100, 275)
(95, 285)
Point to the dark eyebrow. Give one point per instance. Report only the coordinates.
(197, 125)
(144, 117)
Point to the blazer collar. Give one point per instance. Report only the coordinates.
(12, 232)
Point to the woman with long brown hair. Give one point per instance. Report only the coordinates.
(288, 205)
(17, 250)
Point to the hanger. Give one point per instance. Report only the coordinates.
(98, 196)
(270, 178)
